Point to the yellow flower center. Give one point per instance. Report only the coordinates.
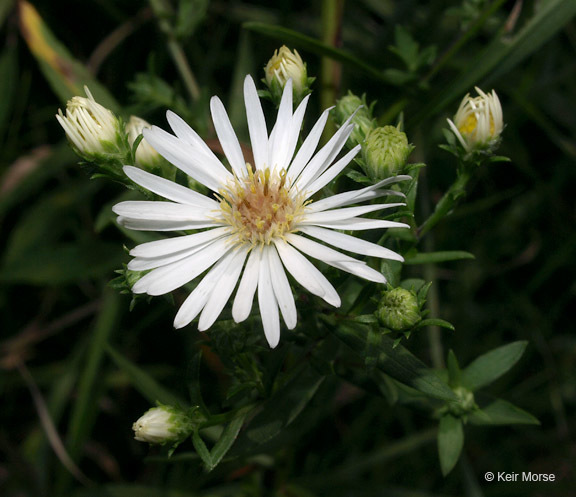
(260, 206)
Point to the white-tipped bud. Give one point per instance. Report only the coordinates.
(285, 65)
(146, 156)
(163, 424)
(90, 127)
(478, 122)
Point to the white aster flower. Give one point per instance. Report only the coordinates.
(478, 122)
(262, 222)
(146, 156)
(90, 127)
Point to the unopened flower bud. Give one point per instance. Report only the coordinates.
(385, 152)
(163, 424)
(91, 128)
(478, 122)
(285, 65)
(466, 403)
(362, 120)
(146, 156)
(398, 309)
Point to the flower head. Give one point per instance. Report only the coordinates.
(478, 122)
(281, 67)
(385, 152)
(90, 127)
(162, 424)
(146, 156)
(398, 309)
(261, 221)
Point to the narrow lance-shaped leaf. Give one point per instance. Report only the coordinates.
(501, 412)
(490, 366)
(450, 442)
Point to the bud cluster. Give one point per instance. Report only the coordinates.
(99, 136)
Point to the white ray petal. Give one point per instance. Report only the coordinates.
(307, 148)
(168, 189)
(278, 145)
(256, 123)
(306, 274)
(163, 225)
(196, 301)
(359, 223)
(344, 213)
(295, 128)
(331, 173)
(188, 159)
(282, 290)
(350, 243)
(347, 198)
(322, 160)
(317, 250)
(361, 270)
(267, 303)
(183, 131)
(227, 137)
(167, 246)
(167, 278)
(160, 211)
(245, 294)
(145, 263)
(222, 290)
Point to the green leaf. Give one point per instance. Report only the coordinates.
(65, 75)
(396, 362)
(435, 322)
(490, 366)
(280, 410)
(454, 372)
(296, 39)
(435, 257)
(201, 449)
(143, 382)
(501, 412)
(227, 438)
(450, 442)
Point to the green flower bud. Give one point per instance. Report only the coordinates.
(285, 65)
(363, 120)
(163, 424)
(385, 152)
(398, 309)
(465, 405)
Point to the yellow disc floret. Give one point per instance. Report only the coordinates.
(260, 206)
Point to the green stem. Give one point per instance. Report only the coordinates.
(162, 12)
(448, 201)
(330, 71)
